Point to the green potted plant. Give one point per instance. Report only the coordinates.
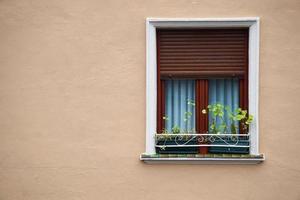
(178, 138)
(225, 136)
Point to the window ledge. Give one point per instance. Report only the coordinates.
(201, 159)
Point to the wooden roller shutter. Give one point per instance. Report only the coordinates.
(202, 53)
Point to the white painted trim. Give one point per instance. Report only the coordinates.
(203, 160)
(153, 23)
(238, 19)
(151, 88)
(254, 86)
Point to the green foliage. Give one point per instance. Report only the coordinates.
(249, 120)
(176, 129)
(165, 131)
(233, 128)
(217, 112)
(191, 102)
(187, 116)
(239, 115)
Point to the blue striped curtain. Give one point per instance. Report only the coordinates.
(177, 95)
(226, 92)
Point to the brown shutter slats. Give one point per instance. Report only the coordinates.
(202, 52)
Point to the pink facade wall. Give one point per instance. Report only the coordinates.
(72, 103)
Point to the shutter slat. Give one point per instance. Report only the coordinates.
(197, 43)
(203, 57)
(207, 39)
(202, 46)
(183, 54)
(203, 74)
(202, 52)
(216, 68)
(206, 50)
(202, 61)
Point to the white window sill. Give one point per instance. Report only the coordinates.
(202, 159)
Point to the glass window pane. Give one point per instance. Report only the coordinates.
(180, 105)
(225, 92)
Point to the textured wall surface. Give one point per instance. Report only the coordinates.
(72, 103)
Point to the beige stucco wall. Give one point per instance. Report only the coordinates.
(72, 103)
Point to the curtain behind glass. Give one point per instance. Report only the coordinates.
(178, 94)
(226, 92)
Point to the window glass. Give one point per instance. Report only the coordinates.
(225, 92)
(180, 105)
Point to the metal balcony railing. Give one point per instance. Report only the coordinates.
(202, 140)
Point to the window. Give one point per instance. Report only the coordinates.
(195, 63)
(203, 66)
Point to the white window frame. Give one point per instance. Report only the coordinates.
(151, 77)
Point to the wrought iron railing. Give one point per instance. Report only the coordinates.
(202, 140)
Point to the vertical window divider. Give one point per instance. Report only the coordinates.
(243, 83)
(163, 103)
(202, 103)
